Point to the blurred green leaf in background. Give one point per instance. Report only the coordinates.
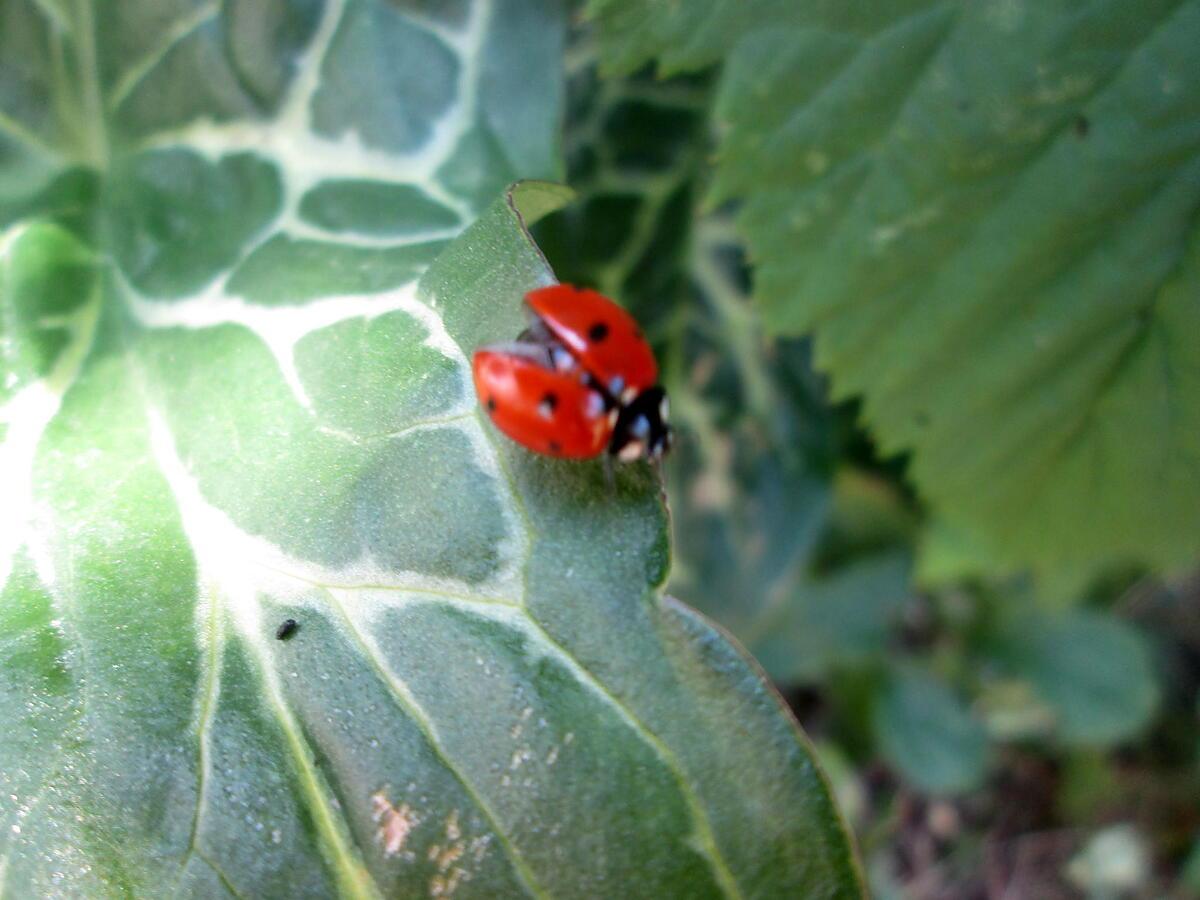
(249, 249)
(986, 214)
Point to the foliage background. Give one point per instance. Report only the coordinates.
(924, 278)
(1006, 693)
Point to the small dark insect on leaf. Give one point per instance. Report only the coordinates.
(286, 629)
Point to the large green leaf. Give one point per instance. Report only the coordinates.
(237, 303)
(986, 213)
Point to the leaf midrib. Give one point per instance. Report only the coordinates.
(91, 104)
(207, 708)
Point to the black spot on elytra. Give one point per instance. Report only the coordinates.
(598, 332)
(555, 447)
(550, 401)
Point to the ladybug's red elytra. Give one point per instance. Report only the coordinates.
(579, 381)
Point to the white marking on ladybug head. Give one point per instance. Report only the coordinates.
(630, 451)
(616, 386)
(664, 408)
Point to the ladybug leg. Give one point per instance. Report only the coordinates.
(610, 478)
(537, 333)
(539, 336)
(660, 472)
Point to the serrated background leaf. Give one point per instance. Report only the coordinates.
(238, 292)
(986, 215)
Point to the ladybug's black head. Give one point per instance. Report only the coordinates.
(642, 429)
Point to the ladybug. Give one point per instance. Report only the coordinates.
(579, 381)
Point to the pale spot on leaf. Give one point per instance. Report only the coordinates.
(395, 825)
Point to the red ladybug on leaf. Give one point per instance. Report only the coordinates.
(579, 381)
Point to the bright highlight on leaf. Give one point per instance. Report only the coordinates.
(248, 250)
